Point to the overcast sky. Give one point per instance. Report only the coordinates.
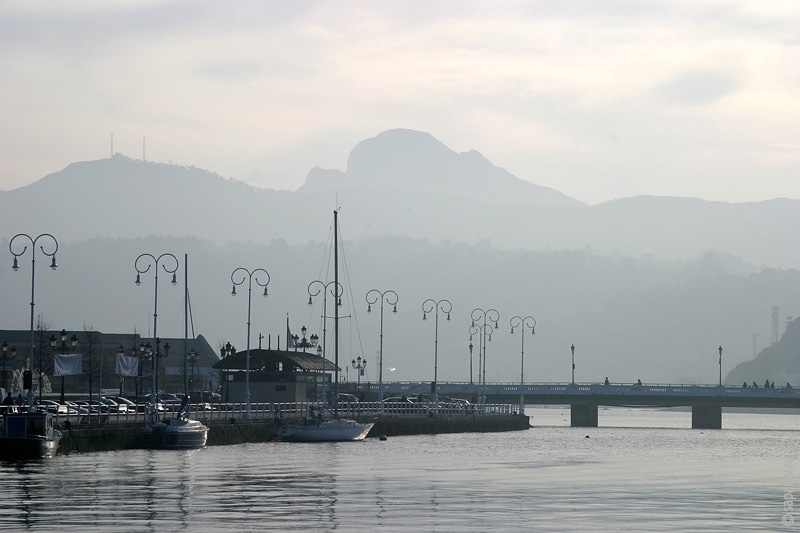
(597, 99)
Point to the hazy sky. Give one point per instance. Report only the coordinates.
(597, 99)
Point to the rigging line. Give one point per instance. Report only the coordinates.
(352, 300)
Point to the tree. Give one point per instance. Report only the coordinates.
(90, 338)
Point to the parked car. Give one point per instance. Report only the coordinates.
(75, 409)
(130, 406)
(52, 406)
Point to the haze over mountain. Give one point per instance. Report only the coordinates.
(646, 287)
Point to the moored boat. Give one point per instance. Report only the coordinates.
(28, 435)
(324, 429)
(176, 433)
(321, 427)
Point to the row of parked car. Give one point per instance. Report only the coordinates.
(103, 405)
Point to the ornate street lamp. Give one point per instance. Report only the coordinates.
(227, 351)
(527, 322)
(431, 305)
(73, 343)
(247, 275)
(720, 365)
(480, 322)
(52, 244)
(572, 349)
(360, 365)
(170, 268)
(335, 289)
(390, 297)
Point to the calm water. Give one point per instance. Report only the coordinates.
(551, 478)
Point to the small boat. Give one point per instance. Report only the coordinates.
(320, 427)
(28, 436)
(175, 433)
(324, 429)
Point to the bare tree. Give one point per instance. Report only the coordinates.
(90, 339)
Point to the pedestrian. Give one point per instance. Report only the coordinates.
(20, 401)
(7, 403)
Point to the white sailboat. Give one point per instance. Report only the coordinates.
(179, 431)
(323, 427)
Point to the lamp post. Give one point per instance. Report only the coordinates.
(360, 365)
(470, 359)
(226, 351)
(572, 349)
(431, 305)
(143, 355)
(74, 343)
(483, 317)
(390, 297)
(170, 268)
(720, 365)
(527, 322)
(247, 275)
(52, 244)
(5, 356)
(335, 289)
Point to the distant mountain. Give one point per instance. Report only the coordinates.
(402, 183)
(409, 162)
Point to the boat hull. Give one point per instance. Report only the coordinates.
(325, 431)
(175, 434)
(14, 449)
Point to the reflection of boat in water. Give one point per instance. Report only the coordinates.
(176, 432)
(324, 429)
(28, 436)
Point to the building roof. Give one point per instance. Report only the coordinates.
(289, 360)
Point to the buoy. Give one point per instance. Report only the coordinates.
(587, 436)
(382, 437)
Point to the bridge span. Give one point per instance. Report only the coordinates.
(706, 401)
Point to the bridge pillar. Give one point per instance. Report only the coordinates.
(706, 417)
(583, 415)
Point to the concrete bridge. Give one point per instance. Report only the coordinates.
(706, 401)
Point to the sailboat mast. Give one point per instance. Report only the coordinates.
(336, 305)
(185, 323)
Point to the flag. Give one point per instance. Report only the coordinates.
(68, 365)
(127, 365)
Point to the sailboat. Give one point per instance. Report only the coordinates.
(179, 431)
(321, 426)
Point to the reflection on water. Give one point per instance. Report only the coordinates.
(551, 478)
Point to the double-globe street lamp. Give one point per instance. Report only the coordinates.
(335, 289)
(524, 323)
(390, 297)
(481, 322)
(50, 251)
(73, 342)
(434, 306)
(249, 276)
(170, 268)
(5, 358)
